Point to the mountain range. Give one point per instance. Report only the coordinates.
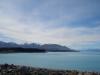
(47, 47)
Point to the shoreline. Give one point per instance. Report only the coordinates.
(12, 69)
(31, 52)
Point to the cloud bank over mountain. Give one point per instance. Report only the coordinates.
(74, 23)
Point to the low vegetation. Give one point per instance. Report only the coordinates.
(12, 69)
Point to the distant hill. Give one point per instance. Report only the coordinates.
(47, 47)
(92, 50)
(55, 48)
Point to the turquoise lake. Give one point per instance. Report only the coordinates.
(83, 61)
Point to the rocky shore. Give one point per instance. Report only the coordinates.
(6, 69)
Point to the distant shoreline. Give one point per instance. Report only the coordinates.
(27, 70)
(21, 50)
(29, 50)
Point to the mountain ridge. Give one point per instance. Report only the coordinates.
(47, 47)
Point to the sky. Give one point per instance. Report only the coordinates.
(73, 23)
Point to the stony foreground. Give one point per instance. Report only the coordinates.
(6, 69)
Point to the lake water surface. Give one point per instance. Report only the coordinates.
(84, 61)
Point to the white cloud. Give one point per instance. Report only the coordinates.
(34, 33)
